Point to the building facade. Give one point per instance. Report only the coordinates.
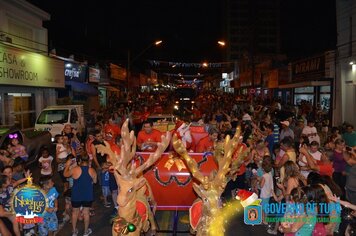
(28, 77)
(345, 84)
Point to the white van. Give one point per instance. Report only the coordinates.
(53, 118)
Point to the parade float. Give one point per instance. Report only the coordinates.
(170, 179)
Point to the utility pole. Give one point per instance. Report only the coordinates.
(128, 72)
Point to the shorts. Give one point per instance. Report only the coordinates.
(78, 204)
(106, 190)
(50, 224)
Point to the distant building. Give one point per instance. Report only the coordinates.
(252, 27)
(345, 83)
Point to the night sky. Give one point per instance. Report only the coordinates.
(189, 28)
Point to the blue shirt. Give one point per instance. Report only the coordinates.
(83, 187)
(105, 178)
(52, 195)
(270, 140)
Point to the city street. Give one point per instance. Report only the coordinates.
(188, 103)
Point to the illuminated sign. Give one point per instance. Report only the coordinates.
(75, 72)
(29, 202)
(117, 72)
(20, 67)
(94, 75)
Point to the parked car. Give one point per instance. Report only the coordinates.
(32, 140)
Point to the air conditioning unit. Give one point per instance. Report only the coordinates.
(5, 38)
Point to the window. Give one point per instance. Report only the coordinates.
(53, 116)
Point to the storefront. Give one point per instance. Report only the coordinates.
(78, 90)
(311, 81)
(28, 81)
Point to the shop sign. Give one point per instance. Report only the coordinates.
(94, 75)
(75, 72)
(117, 72)
(19, 67)
(309, 69)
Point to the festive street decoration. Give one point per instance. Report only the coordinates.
(135, 194)
(247, 198)
(189, 65)
(205, 213)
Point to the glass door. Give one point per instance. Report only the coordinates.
(23, 109)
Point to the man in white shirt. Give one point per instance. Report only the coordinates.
(314, 152)
(311, 132)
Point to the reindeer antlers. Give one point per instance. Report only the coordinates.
(191, 163)
(224, 162)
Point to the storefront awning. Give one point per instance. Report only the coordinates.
(305, 84)
(83, 88)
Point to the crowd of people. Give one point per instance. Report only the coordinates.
(294, 156)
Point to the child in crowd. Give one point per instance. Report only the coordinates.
(5, 157)
(50, 221)
(105, 182)
(61, 157)
(73, 164)
(113, 190)
(45, 162)
(266, 184)
(18, 150)
(18, 168)
(6, 189)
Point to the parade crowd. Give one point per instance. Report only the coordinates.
(294, 156)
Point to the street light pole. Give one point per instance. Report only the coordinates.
(130, 61)
(128, 72)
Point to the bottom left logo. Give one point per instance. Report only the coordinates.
(29, 202)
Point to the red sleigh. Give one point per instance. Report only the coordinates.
(172, 184)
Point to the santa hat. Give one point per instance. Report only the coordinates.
(246, 197)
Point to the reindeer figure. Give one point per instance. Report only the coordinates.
(134, 210)
(210, 188)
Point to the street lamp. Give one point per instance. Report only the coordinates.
(221, 43)
(130, 61)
